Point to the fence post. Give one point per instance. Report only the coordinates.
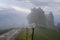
(32, 33)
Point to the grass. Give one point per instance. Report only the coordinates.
(46, 34)
(4, 31)
(22, 35)
(39, 34)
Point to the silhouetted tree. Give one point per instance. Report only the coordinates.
(58, 26)
(51, 20)
(37, 16)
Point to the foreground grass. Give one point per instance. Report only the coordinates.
(46, 34)
(39, 34)
(4, 31)
(22, 35)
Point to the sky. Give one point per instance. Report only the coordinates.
(26, 5)
(22, 7)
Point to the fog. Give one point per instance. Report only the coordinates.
(14, 12)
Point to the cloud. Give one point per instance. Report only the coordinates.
(25, 10)
(41, 0)
(17, 8)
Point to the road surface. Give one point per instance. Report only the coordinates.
(10, 35)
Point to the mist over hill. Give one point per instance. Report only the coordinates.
(11, 18)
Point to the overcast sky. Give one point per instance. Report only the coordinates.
(24, 6)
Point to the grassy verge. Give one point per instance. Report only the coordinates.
(4, 31)
(22, 35)
(46, 34)
(39, 34)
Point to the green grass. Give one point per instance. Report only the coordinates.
(4, 31)
(39, 34)
(22, 34)
(46, 34)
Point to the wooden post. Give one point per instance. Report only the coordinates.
(32, 33)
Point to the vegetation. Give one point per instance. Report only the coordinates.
(37, 16)
(46, 34)
(43, 30)
(22, 35)
(4, 31)
(39, 34)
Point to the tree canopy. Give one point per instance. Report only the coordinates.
(37, 16)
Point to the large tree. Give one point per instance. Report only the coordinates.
(37, 16)
(58, 26)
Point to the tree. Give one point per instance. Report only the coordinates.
(58, 26)
(51, 20)
(37, 16)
